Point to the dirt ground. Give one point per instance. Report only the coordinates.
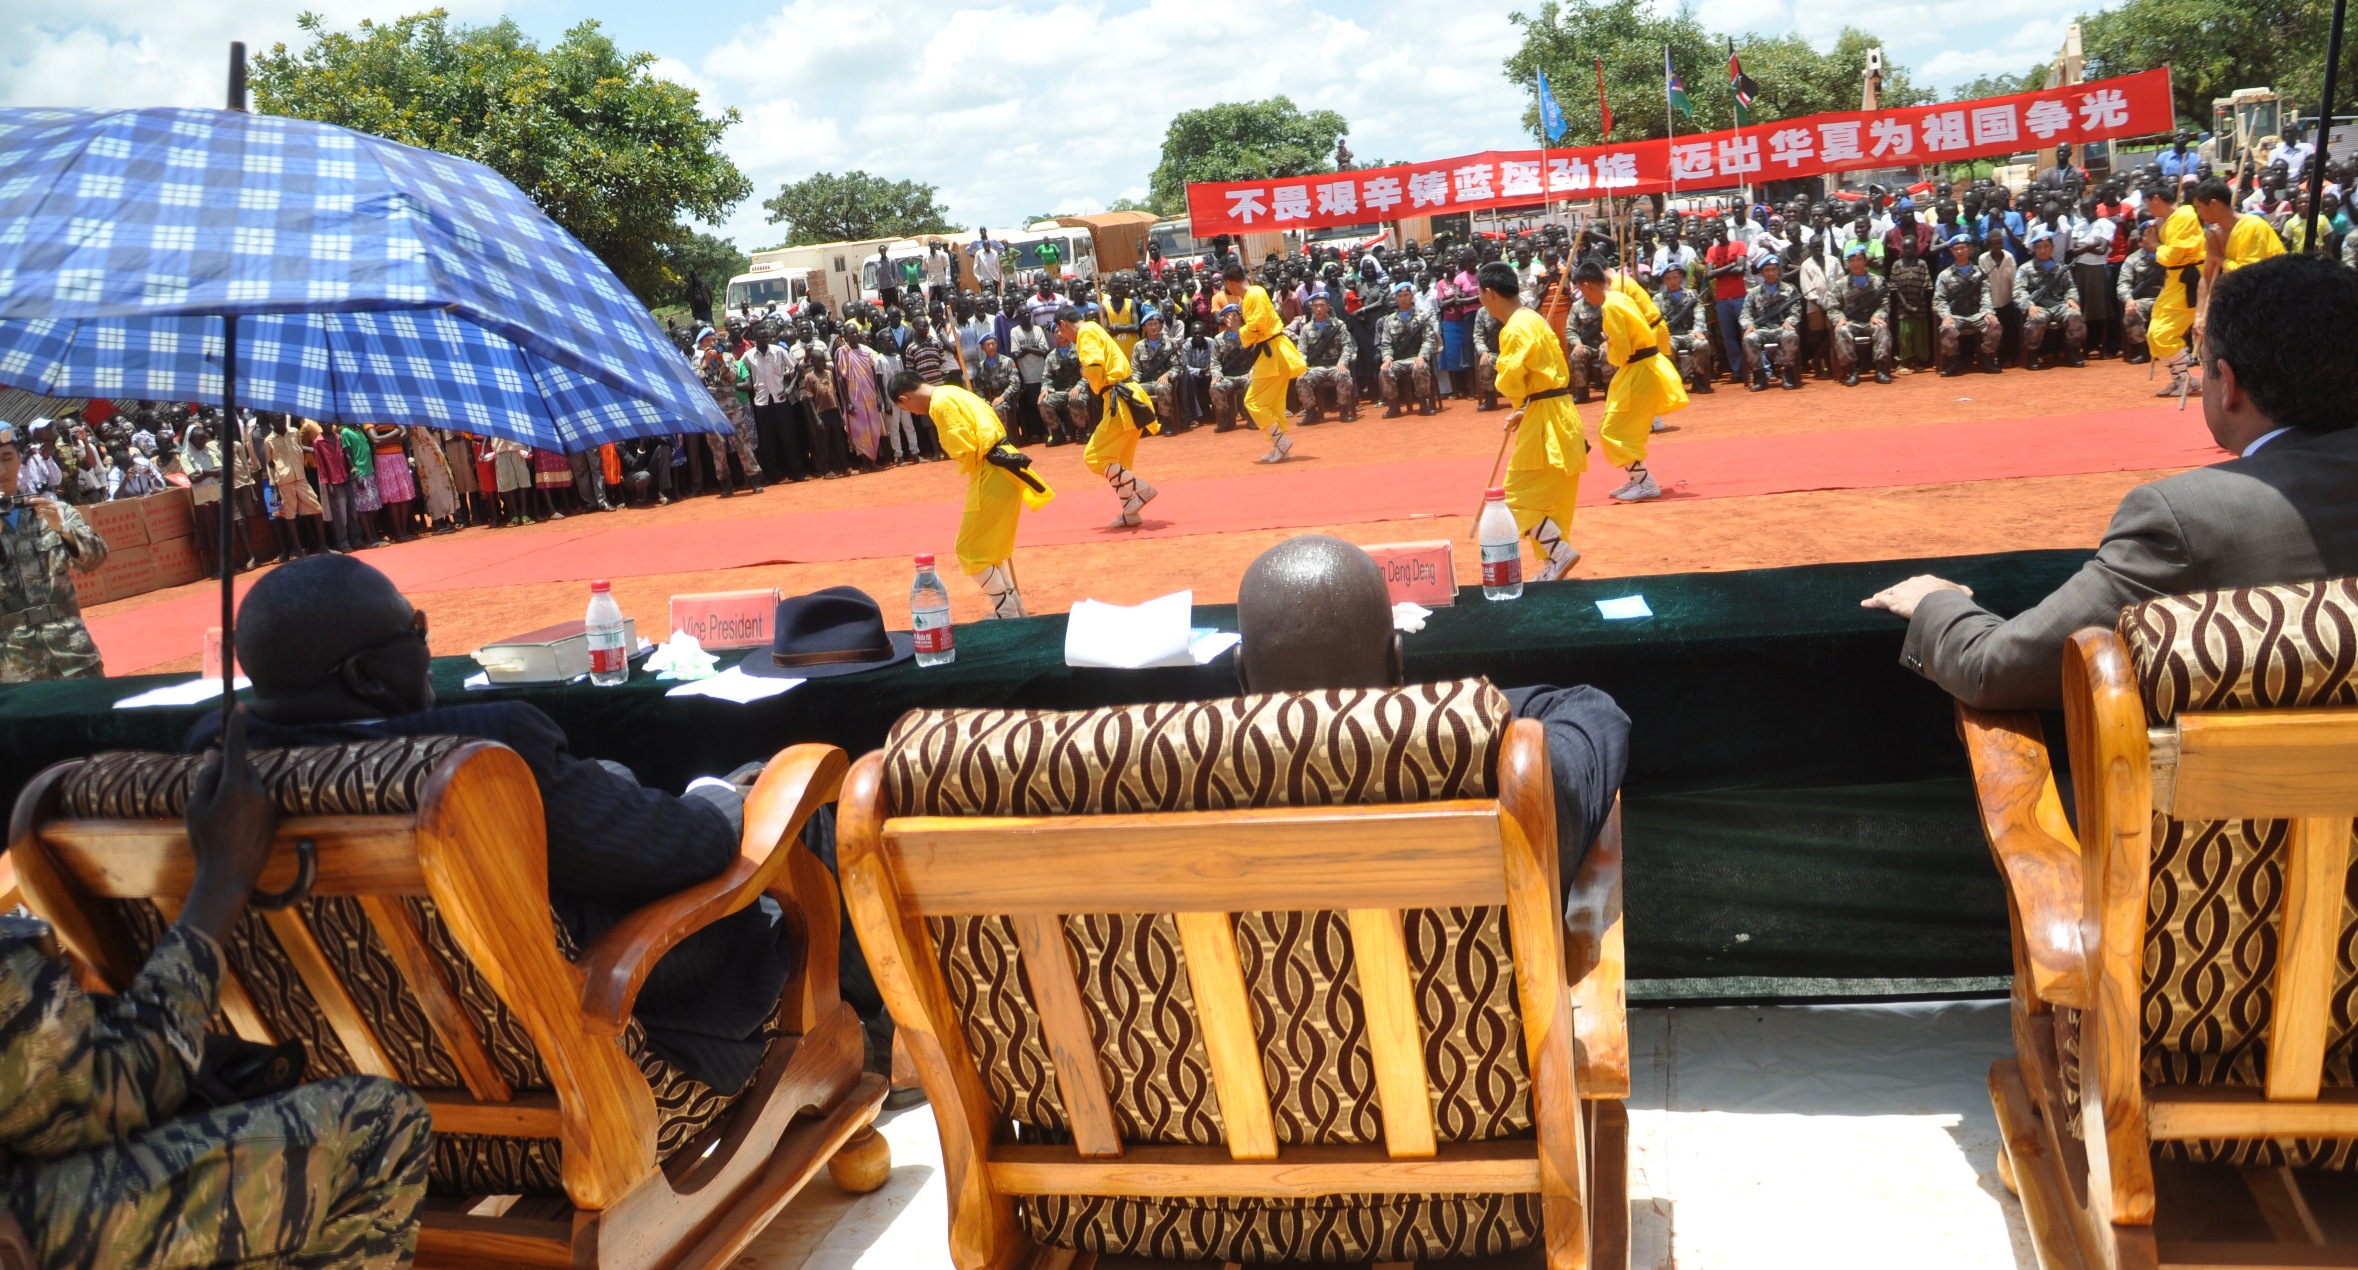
(1665, 537)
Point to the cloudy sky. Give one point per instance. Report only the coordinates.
(1021, 107)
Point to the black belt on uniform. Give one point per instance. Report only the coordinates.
(1545, 393)
(2190, 277)
(1637, 355)
(37, 615)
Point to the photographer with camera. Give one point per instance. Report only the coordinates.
(42, 543)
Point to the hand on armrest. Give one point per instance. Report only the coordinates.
(2033, 842)
(1592, 903)
(797, 782)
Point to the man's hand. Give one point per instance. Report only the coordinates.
(231, 823)
(1901, 599)
(1007, 456)
(1514, 420)
(51, 512)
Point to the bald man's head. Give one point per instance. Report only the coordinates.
(1315, 613)
(328, 639)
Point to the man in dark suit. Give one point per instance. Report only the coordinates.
(2281, 396)
(1315, 614)
(337, 654)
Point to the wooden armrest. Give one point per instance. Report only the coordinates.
(797, 782)
(2034, 844)
(1596, 965)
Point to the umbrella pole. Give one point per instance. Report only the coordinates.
(229, 438)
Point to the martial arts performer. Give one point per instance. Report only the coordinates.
(1543, 472)
(999, 482)
(1645, 385)
(1277, 362)
(1120, 409)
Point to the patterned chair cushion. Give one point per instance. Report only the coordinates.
(2216, 887)
(378, 778)
(1418, 744)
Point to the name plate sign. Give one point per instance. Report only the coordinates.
(727, 619)
(1422, 572)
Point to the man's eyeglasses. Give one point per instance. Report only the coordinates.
(416, 630)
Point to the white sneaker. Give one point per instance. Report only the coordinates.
(1639, 489)
(1141, 494)
(1127, 520)
(1559, 562)
(1278, 449)
(998, 586)
(1659, 426)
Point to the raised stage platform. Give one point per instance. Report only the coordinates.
(1798, 817)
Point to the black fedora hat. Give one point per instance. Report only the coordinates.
(838, 631)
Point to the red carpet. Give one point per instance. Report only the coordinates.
(1733, 467)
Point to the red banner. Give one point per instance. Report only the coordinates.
(2099, 110)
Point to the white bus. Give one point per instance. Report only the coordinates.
(765, 288)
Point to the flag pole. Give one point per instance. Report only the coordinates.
(1669, 122)
(1547, 193)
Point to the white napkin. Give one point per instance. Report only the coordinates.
(1408, 616)
(682, 657)
(1132, 636)
(188, 693)
(735, 685)
(1624, 608)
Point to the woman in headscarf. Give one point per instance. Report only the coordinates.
(434, 479)
(863, 402)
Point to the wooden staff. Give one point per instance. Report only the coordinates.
(1505, 436)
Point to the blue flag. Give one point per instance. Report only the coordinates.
(1551, 116)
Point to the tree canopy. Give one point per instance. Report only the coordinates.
(701, 255)
(614, 154)
(1567, 36)
(825, 208)
(1242, 141)
(2214, 47)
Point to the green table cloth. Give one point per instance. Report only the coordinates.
(1797, 804)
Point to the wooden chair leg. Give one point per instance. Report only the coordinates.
(863, 1162)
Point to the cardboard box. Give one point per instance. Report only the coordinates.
(125, 574)
(120, 523)
(727, 619)
(177, 561)
(1419, 572)
(168, 515)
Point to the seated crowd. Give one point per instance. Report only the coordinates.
(94, 1100)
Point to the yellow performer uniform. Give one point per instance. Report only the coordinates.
(1279, 364)
(1543, 473)
(1112, 451)
(1116, 314)
(1644, 300)
(2251, 241)
(1646, 386)
(2181, 253)
(970, 429)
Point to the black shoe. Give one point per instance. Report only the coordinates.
(1351, 414)
(1989, 365)
(2138, 359)
(2032, 363)
(1580, 396)
(1851, 379)
(1883, 376)
(1312, 417)
(1392, 410)
(1231, 427)
(1792, 377)
(1757, 381)
(1059, 439)
(1429, 408)
(2076, 360)
(1704, 387)
(1950, 370)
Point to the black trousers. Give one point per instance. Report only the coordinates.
(776, 427)
(832, 450)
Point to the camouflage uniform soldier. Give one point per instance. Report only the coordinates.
(1859, 297)
(1689, 322)
(1407, 341)
(2049, 296)
(2141, 283)
(1232, 372)
(1064, 399)
(1151, 360)
(1326, 345)
(1772, 320)
(1960, 302)
(1485, 360)
(1584, 347)
(719, 372)
(995, 381)
(42, 543)
(99, 1168)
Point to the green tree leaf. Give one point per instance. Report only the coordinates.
(614, 154)
(1242, 141)
(825, 207)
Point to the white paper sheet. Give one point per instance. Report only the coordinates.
(735, 685)
(188, 693)
(1132, 636)
(1207, 644)
(1623, 609)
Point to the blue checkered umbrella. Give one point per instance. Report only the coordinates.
(373, 282)
(213, 255)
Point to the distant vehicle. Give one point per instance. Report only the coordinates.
(774, 286)
(834, 268)
(2249, 118)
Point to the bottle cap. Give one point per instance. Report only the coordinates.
(925, 561)
(600, 587)
(1494, 494)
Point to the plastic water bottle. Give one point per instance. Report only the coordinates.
(929, 617)
(609, 650)
(1502, 549)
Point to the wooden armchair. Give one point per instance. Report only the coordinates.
(427, 952)
(2185, 1012)
(1277, 978)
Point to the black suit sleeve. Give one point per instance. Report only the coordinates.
(1587, 753)
(609, 837)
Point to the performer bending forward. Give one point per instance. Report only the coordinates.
(1277, 362)
(1122, 411)
(1645, 385)
(999, 482)
(1543, 474)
